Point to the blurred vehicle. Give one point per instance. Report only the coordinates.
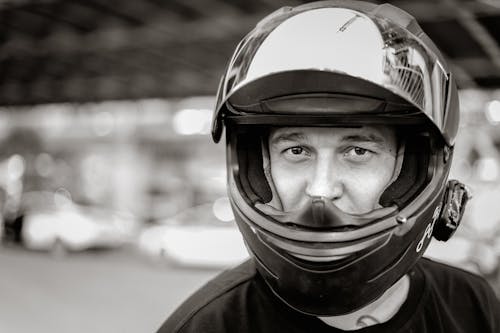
(71, 227)
(195, 238)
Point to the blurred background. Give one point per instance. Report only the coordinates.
(112, 196)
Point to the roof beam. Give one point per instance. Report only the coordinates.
(468, 20)
(177, 83)
(157, 33)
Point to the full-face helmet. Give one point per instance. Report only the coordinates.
(340, 64)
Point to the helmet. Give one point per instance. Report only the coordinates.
(340, 63)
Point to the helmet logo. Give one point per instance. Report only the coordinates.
(428, 230)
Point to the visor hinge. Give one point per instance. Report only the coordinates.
(446, 154)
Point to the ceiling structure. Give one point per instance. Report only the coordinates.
(92, 50)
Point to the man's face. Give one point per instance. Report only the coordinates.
(350, 166)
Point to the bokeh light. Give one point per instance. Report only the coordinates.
(487, 169)
(15, 167)
(192, 121)
(222, 209)
(103, 123)
(493, 112)
(44, 164)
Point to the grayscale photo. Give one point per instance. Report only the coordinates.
(230, 166)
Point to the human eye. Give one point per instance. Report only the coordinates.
(295, 153)
(358, 154)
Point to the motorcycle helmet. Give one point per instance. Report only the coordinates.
(340, 64)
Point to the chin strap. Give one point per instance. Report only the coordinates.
(455, 199)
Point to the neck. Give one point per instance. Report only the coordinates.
(377, 312)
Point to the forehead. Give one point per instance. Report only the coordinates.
(378, 134)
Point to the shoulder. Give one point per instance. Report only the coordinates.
(441, 275)
(461, 292)
(203, 308)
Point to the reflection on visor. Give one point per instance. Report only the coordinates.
(337, 41)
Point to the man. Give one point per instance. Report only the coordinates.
(340, 124)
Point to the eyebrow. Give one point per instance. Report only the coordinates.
(364, 138)
(291, 136)
(298, 136)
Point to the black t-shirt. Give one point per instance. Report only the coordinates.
(441, 299)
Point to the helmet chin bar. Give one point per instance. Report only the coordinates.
(342, 285)
(327, 288)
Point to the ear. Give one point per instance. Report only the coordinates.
(455, 200)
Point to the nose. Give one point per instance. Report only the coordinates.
(325, 178)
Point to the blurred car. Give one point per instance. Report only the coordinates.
(195, 238)
(72, 227)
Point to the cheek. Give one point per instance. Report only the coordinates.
(289, 185)
(366, 187)
(366, 192)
